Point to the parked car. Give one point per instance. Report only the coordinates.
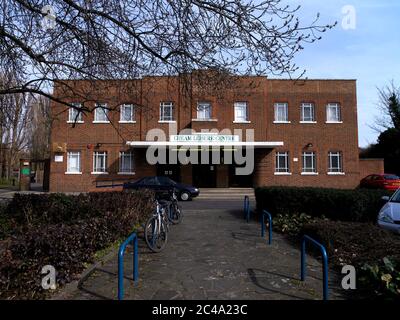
(185, 192)
(381, 181)
(389, 216)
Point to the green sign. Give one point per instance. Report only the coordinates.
(26, 171)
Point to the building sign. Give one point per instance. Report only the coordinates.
(58, 158)
(206, 137)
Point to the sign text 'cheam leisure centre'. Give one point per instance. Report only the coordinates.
(204, 138)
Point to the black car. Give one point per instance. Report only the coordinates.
(185, 192)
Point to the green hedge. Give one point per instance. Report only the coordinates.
(336, 204)
(66, 232)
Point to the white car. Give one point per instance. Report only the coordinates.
(389, 216)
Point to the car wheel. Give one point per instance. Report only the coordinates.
(185, 196)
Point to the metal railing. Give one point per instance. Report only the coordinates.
(246, 208)
(112, 183)
(263, 214)
(324, 259)
(132, 238)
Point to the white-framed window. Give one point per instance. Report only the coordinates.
(101, 113)
(309, 162)
(307, 112)
(73, 162)
(100, 161)
(281, 112)
(126, 163)
(127, 113)
(282, 162)
(333, 113)
(241, 111)
(166, 111)
(335, 161)
(204, 110)
(74, 114)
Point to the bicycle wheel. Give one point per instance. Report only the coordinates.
(175, 214)
(155, 234)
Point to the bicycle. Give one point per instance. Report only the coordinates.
(156, 228)
(175, 214)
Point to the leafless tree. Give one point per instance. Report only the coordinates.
(389, 108)
(43, 42)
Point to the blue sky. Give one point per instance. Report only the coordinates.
(369, 53)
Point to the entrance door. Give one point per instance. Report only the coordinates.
(237, 181)
(204, 175)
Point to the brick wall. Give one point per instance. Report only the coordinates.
(371, 166)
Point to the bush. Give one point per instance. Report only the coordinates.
(374, 252)
(44, 239)
(335, 204)
(354, 243)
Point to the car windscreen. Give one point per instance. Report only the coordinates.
(391, 177)
(396, 197)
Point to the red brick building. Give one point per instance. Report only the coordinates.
(304, 133)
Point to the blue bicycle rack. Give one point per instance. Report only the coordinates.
(246, 208)
(132, 238)
(263, 214)
(324, 258)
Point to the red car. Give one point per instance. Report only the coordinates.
(381, 181)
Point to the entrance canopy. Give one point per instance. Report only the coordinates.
(256, 144)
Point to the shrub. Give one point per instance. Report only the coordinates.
(354, 242)
(335, 204)
(66, 246)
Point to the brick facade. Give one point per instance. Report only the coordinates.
(259, 93)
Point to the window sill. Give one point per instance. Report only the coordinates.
(278, 122)
(73, 172)
(333, 122)
(309, 173)
(311, 122)
(166, 121)
(69, 121)
(101, 122)
(127, 173)
(204, 120)
(336, 173)
(133, 121)
(282, 173)
(99, 173)
(241, 121)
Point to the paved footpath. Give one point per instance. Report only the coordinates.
(213, 254)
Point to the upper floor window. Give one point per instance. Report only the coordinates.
(127, 113)
(333, 113)
(307, 112)
(101, 113)
(75, 114)
(100, 162)
(126, 164)
(204, 110)
(282, 162)
(166, 111)
(73, 162)
(335, 162)
(309, 162)
(241, 112)
(281, 112)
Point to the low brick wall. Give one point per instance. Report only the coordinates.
(371, 166)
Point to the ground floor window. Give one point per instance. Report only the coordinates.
(309, 162)
(73, 162)
(335, 162)
(99, 161)
(126, 164)
(282, 162)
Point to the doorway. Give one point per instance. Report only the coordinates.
(204, 175)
